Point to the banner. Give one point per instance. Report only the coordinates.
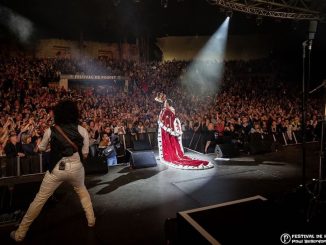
(91, 77)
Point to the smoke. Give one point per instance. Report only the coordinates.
(207, 69)
(87, 65)
(17, 24)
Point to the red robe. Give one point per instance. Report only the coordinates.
(170, 143)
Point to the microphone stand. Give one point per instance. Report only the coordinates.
(303, 115)
(303, 186)
(316, 194)
(304, 104)
(309, 210)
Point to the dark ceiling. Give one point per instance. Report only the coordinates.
(107, 20)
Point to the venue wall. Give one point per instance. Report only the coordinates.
(48, 48)
(243, 47)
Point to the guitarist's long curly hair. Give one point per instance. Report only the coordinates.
(66, 112)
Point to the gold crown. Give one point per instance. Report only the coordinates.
(160, 97)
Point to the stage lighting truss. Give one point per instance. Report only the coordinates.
(285, 9)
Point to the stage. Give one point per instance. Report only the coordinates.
(132, 206)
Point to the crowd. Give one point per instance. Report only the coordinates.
(253, 96)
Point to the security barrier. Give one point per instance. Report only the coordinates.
(128, 139)
(197, 140)
(20, 166)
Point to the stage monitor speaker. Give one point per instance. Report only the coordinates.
(141, 145)
(142, 159)
(227, 150)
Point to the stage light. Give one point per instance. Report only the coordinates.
(206, 70)
(229, 13)
(17, 24)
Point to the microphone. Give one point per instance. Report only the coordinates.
(312, 31)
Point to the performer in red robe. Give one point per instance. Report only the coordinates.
(170, 139)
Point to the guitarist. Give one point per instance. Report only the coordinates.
(69, 143)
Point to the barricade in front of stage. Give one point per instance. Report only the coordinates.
(16, 171)
(128, 139)
(254, 143)
(13, 170)
(21, 166)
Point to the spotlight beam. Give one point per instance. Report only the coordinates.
(203, 76)
(19, 25)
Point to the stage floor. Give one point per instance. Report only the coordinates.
(132, 206)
